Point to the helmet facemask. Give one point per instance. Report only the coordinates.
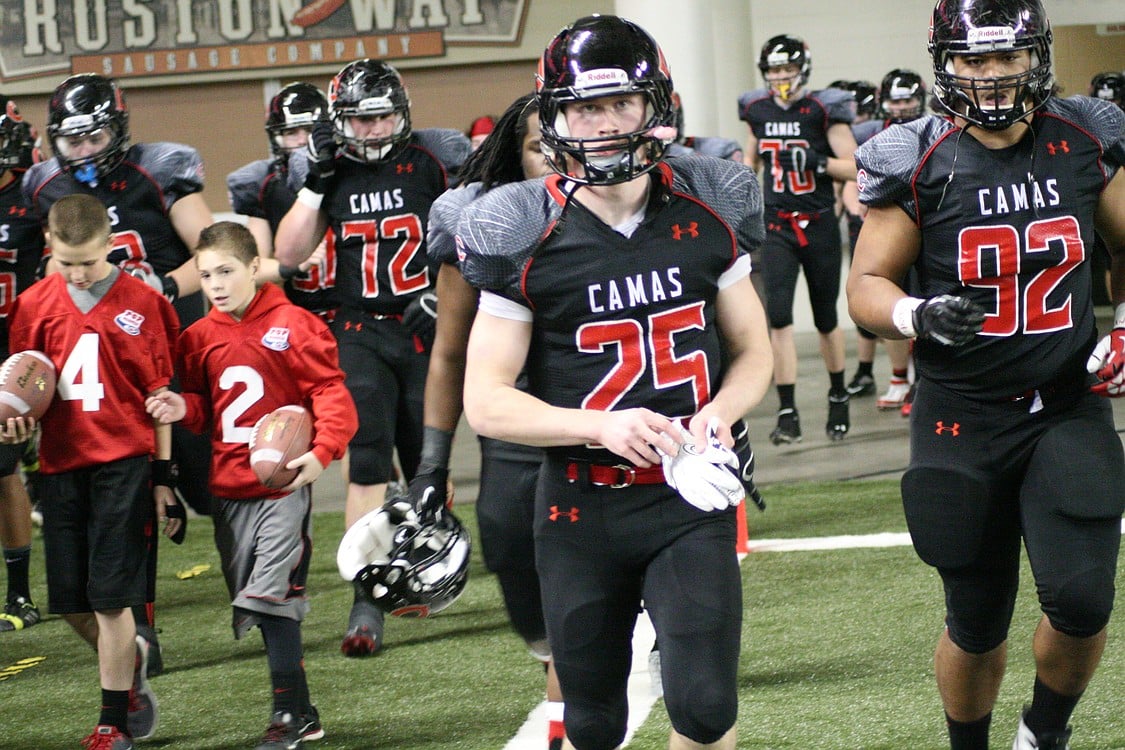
(367, 149)
(92, 168)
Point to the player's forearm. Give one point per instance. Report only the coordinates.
(298, 235)
(186, 277)
(842, 169)
(506, 413)
(871, 304)
(163, 441)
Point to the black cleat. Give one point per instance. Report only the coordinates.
(788, 428)
(861, 385)
(838, 419)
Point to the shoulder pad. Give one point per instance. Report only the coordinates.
(1102, 119)
(887, 162)
(244, 186)
(445, 212)
(748, 98)
(730, 189)
(865, 131)
(498, 232)
(451, 147)
(720, 148)
(177, 168)
(36, 176)
(840, 105)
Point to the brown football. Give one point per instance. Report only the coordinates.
(27, 385)
(279, 437)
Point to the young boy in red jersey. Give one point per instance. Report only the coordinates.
(111, 338)
(254, 352)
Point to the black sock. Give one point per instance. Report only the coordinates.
(787, 395)
(836, 382)
(864, 368)
(971, 735)
(1049, 710)
(285, 654)
(18, 562)
(115, 709)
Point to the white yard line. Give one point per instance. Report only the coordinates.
(533, 734)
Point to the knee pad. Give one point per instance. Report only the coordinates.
(705, 715)
(866, 334)
(826, 321)
(946, 511)
(594, 729)
(1080, 607)
(368, 465)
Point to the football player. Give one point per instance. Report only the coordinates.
(110, 337)
(623, 284)
(996, 206)
(153, 193)
(279, 355)
(1109, 86)
(902, 98)
(19, 259)
(803, 141)
(371, 178)
(260, 191)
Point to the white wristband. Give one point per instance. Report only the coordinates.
(1119, 316)
(902, 316)
(310, 199)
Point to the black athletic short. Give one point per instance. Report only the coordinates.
(94, 535)
(783, 257)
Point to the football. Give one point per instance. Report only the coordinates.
(27, 385)
(279, 437)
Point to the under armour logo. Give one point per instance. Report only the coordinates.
(1053, 149)
(401, 168)
(806, 110)
(943, 429)
(17, 211)
(556, 514)
(351, 326)
(678, 232)
(118, 185)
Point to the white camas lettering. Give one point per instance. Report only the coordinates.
(1008, 199)
(783, 128)
(634, 291)
(365, 203)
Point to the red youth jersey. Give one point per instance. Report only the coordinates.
(108, 361)
(234, 372)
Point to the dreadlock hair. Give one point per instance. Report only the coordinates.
(497, 160)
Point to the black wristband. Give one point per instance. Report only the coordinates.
(287, 272)
(171, 288)
(437, 444)
(164, 473)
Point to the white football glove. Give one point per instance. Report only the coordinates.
(707, 478)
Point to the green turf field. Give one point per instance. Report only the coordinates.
(836, 654)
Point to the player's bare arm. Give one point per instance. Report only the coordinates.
(887, 246)
(300, 232)
(841, 165)
(190, 216)
(1110, 222)
(750, 156)
(496, 408)
(168, 512)
(263, 236)
(446, 375)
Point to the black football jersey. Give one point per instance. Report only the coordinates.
(260, 190)
(138, 195)
(379, 213)
(619, 322)
(804, 124)
(21, 249)
(1012, 229)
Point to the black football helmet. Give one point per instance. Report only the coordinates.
(81, 105)
(898, 86)
(1109, 86)
(599, 56)
(785, 50)
(866, 97)
(977, 27)
(13, 135)
(369, 88)
(297, 105)
(409, 563)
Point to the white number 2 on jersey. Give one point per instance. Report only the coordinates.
(255, 389)
(82, 365)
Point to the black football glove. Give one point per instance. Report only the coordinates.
(420, 318)
(745, 453)
(802, 159)
(322, 158)
(949, 320)
(428, 491)
(166, 473)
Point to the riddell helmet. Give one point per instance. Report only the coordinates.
(81, 105)
(367, 88)
(1109, 86)
(13, 134)
(866, 97)
(599, 56)
(409, 564)
(786, 50)
(898, 86)
(297, 105)
(977, 27)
